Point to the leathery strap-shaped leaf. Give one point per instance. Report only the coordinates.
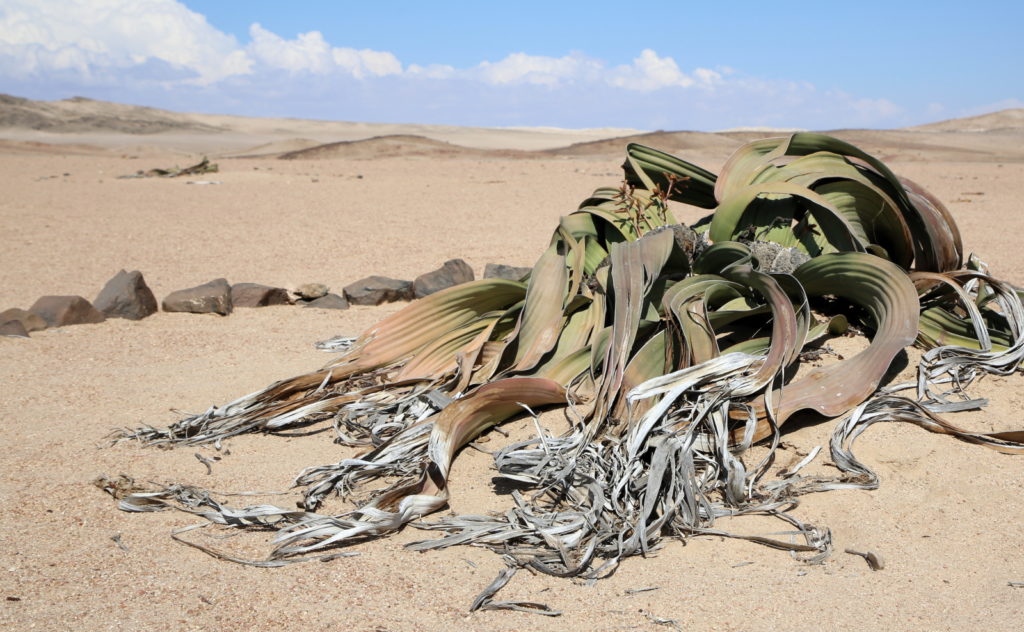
(634, 267)
(881, 288)
(442, 355)
(541, 319)
(571, 356)
(728, 220)
(786, 337)
(463, 420)
(401, 334)
(648, 362)
(650, 168)
(886, 293)
(684, 307)
(943, 248)
(743, 164)
(935, 238)
(937, 246)
(871, 212)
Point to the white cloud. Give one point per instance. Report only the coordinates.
(310, 52)
(90, 37)
(707, 77)
(162, 53)
(537, 69)
(367, 63)
(651, 72)
(646, 73)
(431, 71)
(95, 38)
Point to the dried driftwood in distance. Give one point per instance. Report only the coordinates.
(203, 166)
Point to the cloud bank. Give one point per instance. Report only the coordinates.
(159, 52)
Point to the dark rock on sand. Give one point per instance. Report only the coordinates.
(31, 322)
(126, 296)
(256, 295)
(502, 271)
(213, 297)
(13, 329)
(328, 301)
(374, 290)
(453, 272)
(59, 311)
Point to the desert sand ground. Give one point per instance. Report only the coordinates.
(948, 518)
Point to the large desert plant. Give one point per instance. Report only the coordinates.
(673, 350)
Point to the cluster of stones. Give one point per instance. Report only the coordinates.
(127, 296)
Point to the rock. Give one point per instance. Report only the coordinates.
(776, 259)
(213, 297)
(126, 296)
(789, 260)
(256, 295)
(328, 301)
(13, 329)
(311, 291)
(502, 271)
(453, 272)
(374, 290)
(31, 322)
(58, 311)
(689, 241)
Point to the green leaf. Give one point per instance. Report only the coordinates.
(651, 169)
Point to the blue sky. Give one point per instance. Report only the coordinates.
(668, 65)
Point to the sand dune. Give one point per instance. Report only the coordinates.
(393, 146)
(909, 145)
(709, 147)
(118, 125)
(672, 142)
(273, 149)
(78, 115)
(97, 126)
(1002, 121)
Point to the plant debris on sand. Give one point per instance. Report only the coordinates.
(673, 350)
(201, 167)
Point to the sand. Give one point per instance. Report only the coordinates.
(947, 518)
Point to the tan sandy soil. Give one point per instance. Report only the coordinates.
(948, 518)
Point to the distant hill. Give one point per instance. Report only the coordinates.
(118, 125)
(274, 148)
(81, 125)
(1002, 121)
(78, 114)
(672, 142)
(393, 145)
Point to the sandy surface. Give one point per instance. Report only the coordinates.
(948, 519)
